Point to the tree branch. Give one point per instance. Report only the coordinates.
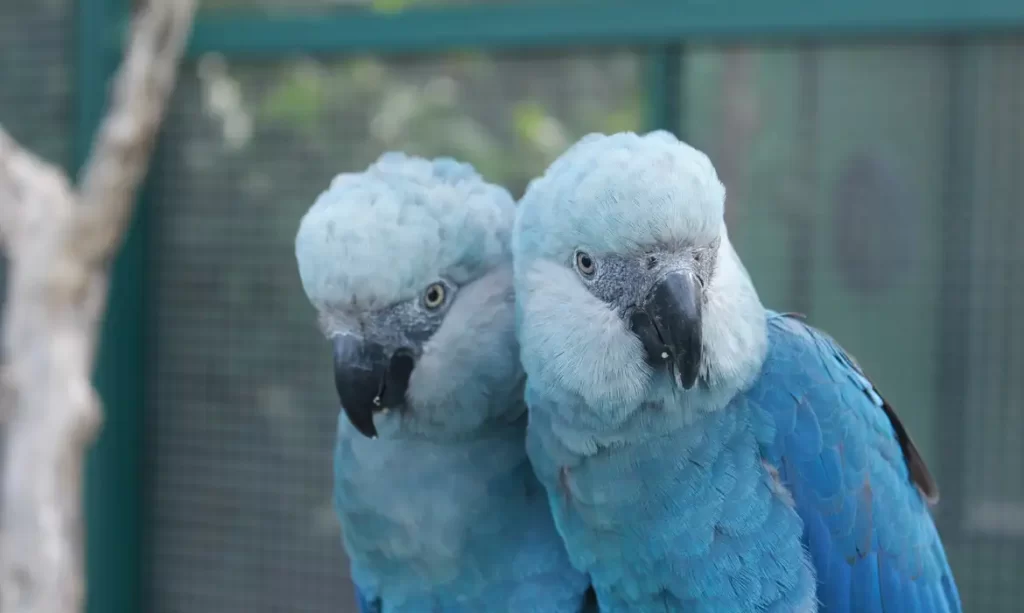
(127, 135)
(59, 244)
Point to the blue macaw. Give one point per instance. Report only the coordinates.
(409, 268)
(700, 452)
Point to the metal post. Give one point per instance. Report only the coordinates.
(665, 89)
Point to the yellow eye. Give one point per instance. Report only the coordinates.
(434, 296)
(585, 264)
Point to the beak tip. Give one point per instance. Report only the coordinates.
(365, 426)
(685, 378)
(361, 376)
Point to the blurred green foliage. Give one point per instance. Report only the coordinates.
(508, 123)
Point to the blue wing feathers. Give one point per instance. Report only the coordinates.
(834, 596)
(949, 586)
(890, 586)
(928, 601)
(867, 596)
(816, 534)
(806, 430)
(857, 480)
(366, 605)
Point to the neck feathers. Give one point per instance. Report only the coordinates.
(419, 517)
(735, 328)
(703, 500)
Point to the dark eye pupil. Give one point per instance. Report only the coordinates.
(432, 295)
(585, 262)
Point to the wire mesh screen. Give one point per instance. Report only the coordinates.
(991, 514)
(242, 405)
(35, 75)
(325, 6)
(877, 189)
(874, 188)
(35, 86)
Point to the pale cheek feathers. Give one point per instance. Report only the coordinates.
(573, 341)
(473, 356)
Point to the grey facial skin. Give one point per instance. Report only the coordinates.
(660, 294)
(375, 357)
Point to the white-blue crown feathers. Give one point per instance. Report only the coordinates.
(382, 235)
(613, 193)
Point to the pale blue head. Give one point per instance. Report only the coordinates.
(408, 265)
(625, 275)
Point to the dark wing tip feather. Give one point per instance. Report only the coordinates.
(367, 605)
(920, 476)
(589, 601)
(919, 473)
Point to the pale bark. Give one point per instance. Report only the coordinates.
(59, 243)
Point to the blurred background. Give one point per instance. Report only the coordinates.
(874, 159)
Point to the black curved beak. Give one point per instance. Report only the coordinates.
(369, 380)
(669, 325)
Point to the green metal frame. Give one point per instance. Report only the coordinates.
(575, 23)
(664, 88)
(114, 484)
(113, 475)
